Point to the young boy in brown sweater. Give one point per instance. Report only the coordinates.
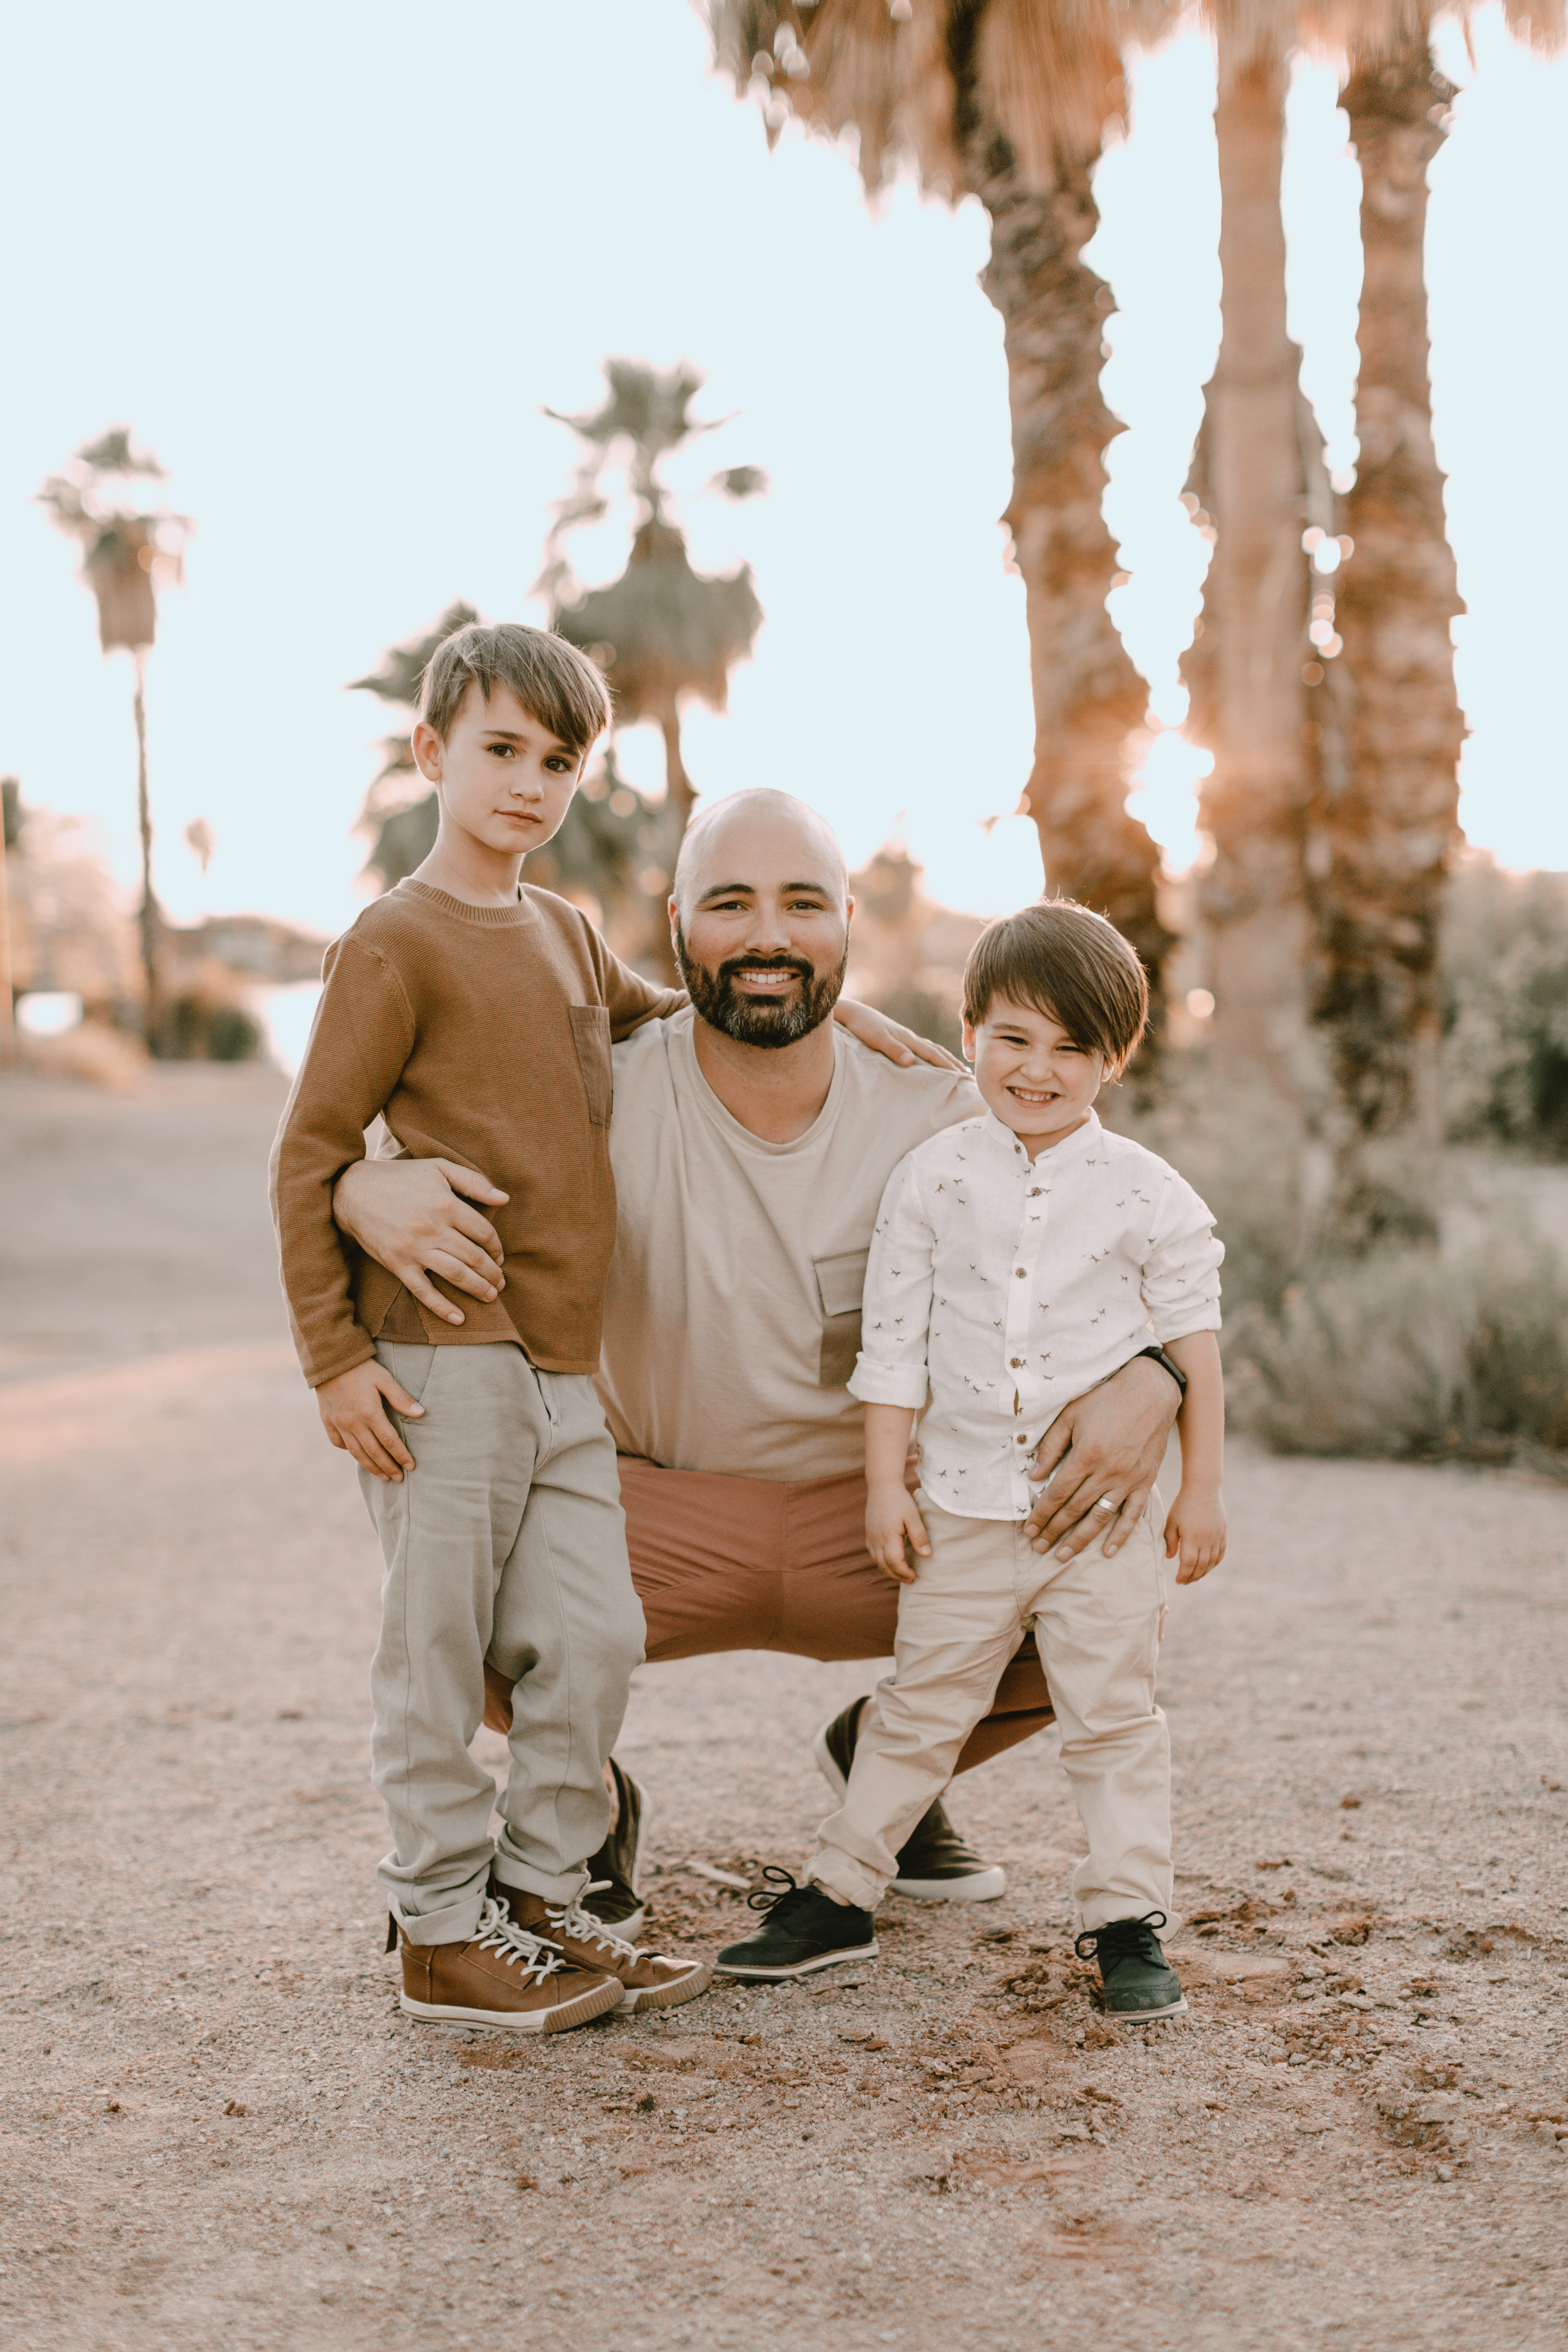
(476, 1015)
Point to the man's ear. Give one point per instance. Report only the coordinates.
(428, 750)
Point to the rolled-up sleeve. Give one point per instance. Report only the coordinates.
(1181, 1272)
(895, 1315)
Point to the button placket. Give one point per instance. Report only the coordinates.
(1027, 1244)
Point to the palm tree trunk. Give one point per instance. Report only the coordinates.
(1389, 831)
(149, 917)
(1244, 672)
(1087, 696)
(680, 796)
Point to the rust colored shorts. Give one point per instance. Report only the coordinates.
(757, 1564)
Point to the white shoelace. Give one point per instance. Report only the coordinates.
(571, 1920)
(519, 1950)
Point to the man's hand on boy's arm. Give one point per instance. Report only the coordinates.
(1107, 1447)
(890, 1037)
(353, 1415)
(407, 1216)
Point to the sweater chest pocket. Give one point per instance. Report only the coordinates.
(840, 1286)
(591, 1035)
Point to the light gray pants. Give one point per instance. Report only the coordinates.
(508, 1542)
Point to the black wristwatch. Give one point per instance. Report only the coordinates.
(1170, 1364)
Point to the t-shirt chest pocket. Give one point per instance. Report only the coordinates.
(840, 1286)
(591, 1035)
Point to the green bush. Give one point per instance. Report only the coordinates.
(1408, 1353)
(1505, 972)
(198, 1027)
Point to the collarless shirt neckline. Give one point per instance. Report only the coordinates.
(998, 1132)
(731, 1128)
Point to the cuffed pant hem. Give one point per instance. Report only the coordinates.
(457, 1921)
(555, 1886)
(1110, 1908)
(839, 1873)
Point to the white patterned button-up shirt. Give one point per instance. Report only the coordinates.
(1005, 1287)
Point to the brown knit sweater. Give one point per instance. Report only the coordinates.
(482, 1034)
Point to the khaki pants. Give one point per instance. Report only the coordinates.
(1097, 1622)
(723, 1563)
(506, 1539)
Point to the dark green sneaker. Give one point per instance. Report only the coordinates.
(805, 1930)
(612, 1893)
(1139, 1980)
(935, 1864)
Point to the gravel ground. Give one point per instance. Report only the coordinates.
(218, 2129)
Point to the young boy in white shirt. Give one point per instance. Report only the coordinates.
(1019, 1259)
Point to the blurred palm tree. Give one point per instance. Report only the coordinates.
(661, 630)
(1386, 817)
(400, 812)
(1321, 674)
(126, 549)
(1007, 100)
(1258, 482)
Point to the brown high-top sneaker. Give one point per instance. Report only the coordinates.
(504, 1977)
(647, 1980)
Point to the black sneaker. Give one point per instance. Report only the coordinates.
(612, 1896)
(805, 1929)
(1139, 1980)
(935, 1865)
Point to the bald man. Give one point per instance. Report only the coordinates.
(751, 1141)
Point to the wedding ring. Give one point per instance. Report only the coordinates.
(1105, 1503)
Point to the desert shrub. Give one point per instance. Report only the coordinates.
(1245, 1152)
(200, 1027)
(1408, 1353)
(1505, 972)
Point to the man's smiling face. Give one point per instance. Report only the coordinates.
(761, 920)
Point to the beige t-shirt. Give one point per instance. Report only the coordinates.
(732, 1315)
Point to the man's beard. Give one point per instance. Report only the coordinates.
(716, 999)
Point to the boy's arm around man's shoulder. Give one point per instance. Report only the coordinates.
(628, 998)
(361, 1039)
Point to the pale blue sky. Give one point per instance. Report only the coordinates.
(331, 263)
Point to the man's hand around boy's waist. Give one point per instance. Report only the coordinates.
(1102, 1455)
(407, 1214)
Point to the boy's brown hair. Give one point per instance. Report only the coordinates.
(1070, 964)
(554, 683)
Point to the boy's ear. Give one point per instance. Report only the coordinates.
(427, 748)
(968, 1040)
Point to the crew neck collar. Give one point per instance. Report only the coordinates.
(730, 1126)
(488, 918)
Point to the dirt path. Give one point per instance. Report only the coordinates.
(218, 2130)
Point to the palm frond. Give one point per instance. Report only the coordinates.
(402, 667)
(661, 629)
